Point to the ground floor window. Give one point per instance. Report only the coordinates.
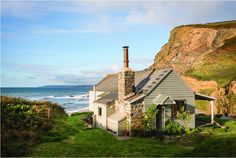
(99, 111)
(180, 105)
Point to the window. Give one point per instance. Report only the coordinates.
(180, 105)
(99, 111)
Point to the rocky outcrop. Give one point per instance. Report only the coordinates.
(197, 85)
(188, 45)
(232, 87)
(204, 55)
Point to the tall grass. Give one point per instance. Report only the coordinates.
(220, 67)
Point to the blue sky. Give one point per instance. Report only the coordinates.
(79, 42)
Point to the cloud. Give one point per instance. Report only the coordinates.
(21, 9)
(62, 75)
(174, 13)
(74, 79)
(32, 77)
(85, 76)
(117, 16)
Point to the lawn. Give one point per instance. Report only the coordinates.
(71, 138)
(221, 142)
(82, 141)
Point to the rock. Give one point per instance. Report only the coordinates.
(232, 86)
(189, 44)
(197, 85)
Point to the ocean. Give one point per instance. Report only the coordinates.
(72, 98)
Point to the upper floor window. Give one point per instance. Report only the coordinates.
(178, 107)
(99, 111)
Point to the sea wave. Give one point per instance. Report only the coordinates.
(75, 97)
(77, 110)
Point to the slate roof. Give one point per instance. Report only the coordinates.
(117, 117)
(107, 99)
(145, 82)
(110, 82)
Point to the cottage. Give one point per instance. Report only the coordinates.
(119, 99)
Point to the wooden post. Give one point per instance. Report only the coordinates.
(212, 111)
(49, 112)
(164, 117)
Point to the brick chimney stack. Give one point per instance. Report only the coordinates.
(126, 79)
(126, 57)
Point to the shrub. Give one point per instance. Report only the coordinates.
(173, 128)
(227, 105)
(149, 117)
(22, 121)
(89, 118)
(203, 118)
(185, 117)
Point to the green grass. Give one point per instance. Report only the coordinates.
(206, 91)
(220, 67)
(201, 104)
(215, 25)
(78, 140)
(97, 142)
(221, 142)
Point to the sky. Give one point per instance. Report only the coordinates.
(78, 42)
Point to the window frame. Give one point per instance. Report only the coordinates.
(177, 107)
(99, 111)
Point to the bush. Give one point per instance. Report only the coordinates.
(203, 118)
(89, 118)
(22, 121)
(173, 128)
(147, 133)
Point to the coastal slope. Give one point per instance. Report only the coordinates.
(205, 56)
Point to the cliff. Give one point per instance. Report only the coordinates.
(205, 56)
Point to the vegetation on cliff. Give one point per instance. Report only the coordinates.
(215, 25)
(23, 122)
(218, 66)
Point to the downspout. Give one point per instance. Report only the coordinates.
(212, 111)
(94, 98)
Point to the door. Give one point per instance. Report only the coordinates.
(159, 118)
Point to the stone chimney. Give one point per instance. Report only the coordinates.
(126, 79)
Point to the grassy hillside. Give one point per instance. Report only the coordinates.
(215, 25)
(220, 142)
(23, 122)
(218, 66)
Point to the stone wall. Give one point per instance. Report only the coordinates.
(137, 114)
(134, 114)
(126, 83)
